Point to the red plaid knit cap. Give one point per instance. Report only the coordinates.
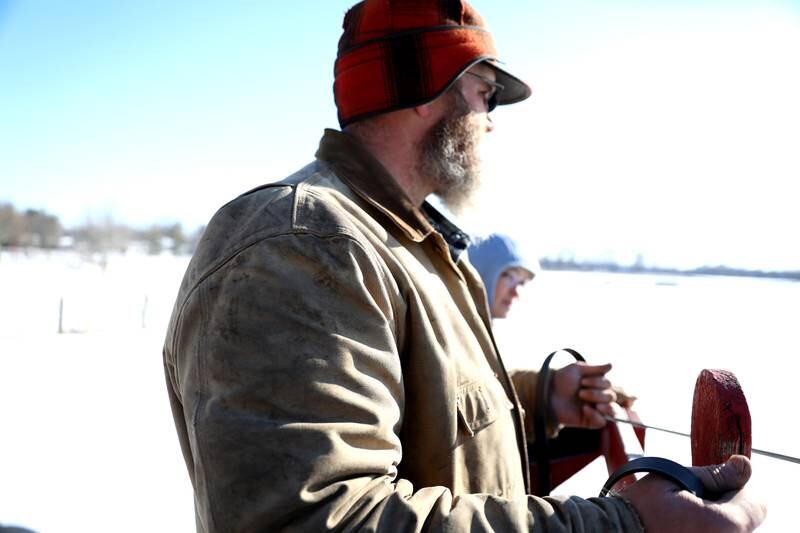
(396, 54)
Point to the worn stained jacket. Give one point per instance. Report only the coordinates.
(330, 366)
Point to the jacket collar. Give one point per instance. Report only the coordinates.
(367, 177)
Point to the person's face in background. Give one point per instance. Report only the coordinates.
(509, 285)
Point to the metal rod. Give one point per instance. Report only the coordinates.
(774, 455)
(645, 426)
(777, 456)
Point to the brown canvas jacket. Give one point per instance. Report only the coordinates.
(331, 367)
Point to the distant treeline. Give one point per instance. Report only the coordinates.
(32, 228)
(604, 266)
(28, 228)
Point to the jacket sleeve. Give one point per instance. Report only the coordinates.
(526, 384)
(286, 382)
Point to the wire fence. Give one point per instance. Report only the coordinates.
(62, 293)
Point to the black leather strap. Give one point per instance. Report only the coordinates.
(671, 470)
(540, 422)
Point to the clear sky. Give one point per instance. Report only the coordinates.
(669, 129)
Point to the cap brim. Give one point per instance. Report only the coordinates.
(514, 89)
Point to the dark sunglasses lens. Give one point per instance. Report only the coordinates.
(492, 102)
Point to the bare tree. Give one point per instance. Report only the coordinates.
(31, 228)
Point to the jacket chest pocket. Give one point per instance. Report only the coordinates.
(479, 405)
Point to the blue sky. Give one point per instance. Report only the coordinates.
(663, 128)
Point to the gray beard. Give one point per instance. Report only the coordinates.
(450, 158)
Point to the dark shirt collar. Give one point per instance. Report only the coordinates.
(457, 240)
(366, 176)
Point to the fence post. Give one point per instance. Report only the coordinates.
(144, 313)
(61, 315)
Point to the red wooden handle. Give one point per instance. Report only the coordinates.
(720, 419)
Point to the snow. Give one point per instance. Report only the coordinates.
(88, 443)
(88, 440)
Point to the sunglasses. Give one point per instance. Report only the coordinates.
(512, 279)
(491, 101)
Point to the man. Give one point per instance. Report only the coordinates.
(329, 360)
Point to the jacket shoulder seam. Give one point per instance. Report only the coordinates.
(343, 232)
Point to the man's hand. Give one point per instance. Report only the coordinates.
(581, 396)
(664, 508)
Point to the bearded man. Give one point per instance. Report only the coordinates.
(330, 361)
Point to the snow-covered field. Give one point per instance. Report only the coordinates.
(87, 442)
